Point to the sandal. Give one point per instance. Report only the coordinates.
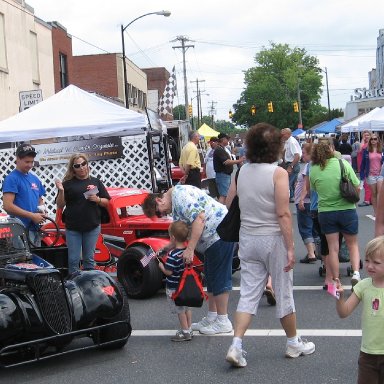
(271, 298)
(308, 260)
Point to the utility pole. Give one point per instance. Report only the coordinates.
(326, 82)
(198, 95)
(300, 125)
(212, 111)
(184, 48)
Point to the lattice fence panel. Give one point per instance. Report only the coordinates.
(132, 170)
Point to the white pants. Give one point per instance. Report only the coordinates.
(262, 256)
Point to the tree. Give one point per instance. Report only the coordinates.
(179, 112)
(280, 76)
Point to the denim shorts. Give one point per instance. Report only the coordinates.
(305, 224)
(218, 267)
(345, 221)
(223, 181)
(374, 179)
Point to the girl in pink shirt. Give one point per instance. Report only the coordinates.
(371, 162)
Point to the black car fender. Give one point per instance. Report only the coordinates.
(94, 295)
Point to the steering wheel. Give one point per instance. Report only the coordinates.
(52, 233)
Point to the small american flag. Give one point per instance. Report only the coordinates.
(146, 259)
(170, 91)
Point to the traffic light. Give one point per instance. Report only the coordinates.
(270, 107)
(230, 114)
(190, 110)
(295, 106)
(253, 110)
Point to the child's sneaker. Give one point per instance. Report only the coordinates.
(182, 336)
(303, 347)
(355, 278)
(204, 322)
(235, 356)
(217, 327)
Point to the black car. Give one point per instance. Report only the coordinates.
(42, 311)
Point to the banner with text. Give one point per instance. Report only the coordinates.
(95, 149)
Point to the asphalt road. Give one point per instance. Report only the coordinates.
(150, 356)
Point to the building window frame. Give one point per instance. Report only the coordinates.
(63, 69)
(3, 45)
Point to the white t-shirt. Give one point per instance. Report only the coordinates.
(291, 147)
(208, 160)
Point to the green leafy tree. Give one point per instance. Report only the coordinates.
(280, 75)
(179, 112)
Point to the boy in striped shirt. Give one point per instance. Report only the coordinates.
(173, 269)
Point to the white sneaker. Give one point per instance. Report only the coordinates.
(303, 347)
(217, 327)
(235, 356)
(355, 278)
(204, 322)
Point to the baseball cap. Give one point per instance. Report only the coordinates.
(24, 150)
(223, 135)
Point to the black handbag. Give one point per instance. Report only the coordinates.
(190, 292)
(229, 228)
(347, 189)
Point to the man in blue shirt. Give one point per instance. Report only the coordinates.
(23, 192)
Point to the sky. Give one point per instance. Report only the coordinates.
(225, 37)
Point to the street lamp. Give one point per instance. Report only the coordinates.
(161, 13)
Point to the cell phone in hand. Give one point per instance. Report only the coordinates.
(331, 289)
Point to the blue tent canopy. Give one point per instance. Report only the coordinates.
(297, 132)
(328, 126)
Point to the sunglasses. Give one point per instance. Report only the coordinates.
(77, 166)
(374, 139)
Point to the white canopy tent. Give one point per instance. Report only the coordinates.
(375, 123)
(72, 112)
(356, 125)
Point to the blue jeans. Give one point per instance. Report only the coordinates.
(292, 180)
(81, 243)
(218, 267)
(305, 224)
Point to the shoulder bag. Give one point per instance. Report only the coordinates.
(347, 189)
(190, 292)
(229, 227)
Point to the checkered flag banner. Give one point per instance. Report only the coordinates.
(146, 259)
(170, 91)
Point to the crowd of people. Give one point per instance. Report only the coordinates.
(266, 248)
(269, 178)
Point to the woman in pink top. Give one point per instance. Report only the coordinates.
(363, 145)
(370, 169)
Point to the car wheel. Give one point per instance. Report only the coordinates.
(139, 282)
(116, 332)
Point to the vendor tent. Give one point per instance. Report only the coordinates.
(72, 112)
(206, 131)
(328, 127)
(375, 122)
(355, 125)
(298, 132)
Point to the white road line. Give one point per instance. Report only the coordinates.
(303, 288)
(258, 332)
